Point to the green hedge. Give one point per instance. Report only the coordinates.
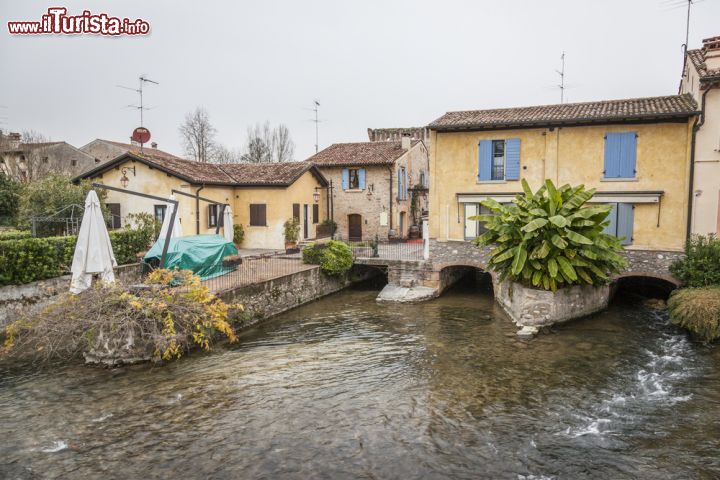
(334, 257)
(28, 259)
(14, 235)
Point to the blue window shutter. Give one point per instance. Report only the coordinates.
(612, 155)
(625, 219)
(405, 185)
(345, 179)
(361, 178)
(485, 160)
(628, 154)
(512, 159)
(612, 218)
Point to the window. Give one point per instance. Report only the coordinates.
(354, 179)
(73, 163)
(621, 220)
(422, 179)
(258, 215)
(620, 155)
(160, 212)
(473, 228)
(498, 160)
(214, 216)
(316, 213)
(402, 184)
(45, 159)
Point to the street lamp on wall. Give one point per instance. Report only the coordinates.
(124, 180)
(316, 194)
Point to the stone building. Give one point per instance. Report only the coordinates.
(105, 150)
(701, 79)
(25, 161)
(397, 134)
(378, 188)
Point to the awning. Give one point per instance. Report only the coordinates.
(479, 197)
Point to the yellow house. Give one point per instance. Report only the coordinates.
(262, 196)
(635, 152)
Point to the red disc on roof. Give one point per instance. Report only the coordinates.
(141, 135)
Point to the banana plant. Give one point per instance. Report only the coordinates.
(550, 239)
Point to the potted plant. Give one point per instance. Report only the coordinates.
(292, 233)
(327, 228)
(549, 241)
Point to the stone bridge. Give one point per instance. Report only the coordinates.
(417, 280)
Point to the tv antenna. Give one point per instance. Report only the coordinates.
(561, 72)
(316, 104)
(142, 80)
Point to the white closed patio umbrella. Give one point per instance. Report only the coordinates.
(93, 250)
(176, 230)
(228, 231)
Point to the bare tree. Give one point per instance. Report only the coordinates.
(29, 159)
(284, 147)
(265, 144)
(223, 154)
(198, 135)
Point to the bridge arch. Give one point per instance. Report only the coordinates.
(449, 273)
(647, 284)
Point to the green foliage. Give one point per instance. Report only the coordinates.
(14, 235)
(146, 223)
(334, 257)
(238, 234)
(701, 265)
(337, 258)
(9, 198)
(548, 240)
(28, 259)
(292, 230)
(698, 310)
(47, 196)
(312, 254)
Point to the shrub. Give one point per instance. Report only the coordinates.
(29, 259)
(9, 198)
(336, 258)
(698, 310)
(14, 235)
(238, 234)
(292, 230)
(548, 240)
(155, 323)
(701, 265)
(312, 254)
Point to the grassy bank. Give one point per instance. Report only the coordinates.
(698, 310)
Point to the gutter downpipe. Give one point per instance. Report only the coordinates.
(197, 209)
(691, 194)
(390, 169)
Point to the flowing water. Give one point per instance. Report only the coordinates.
(346, 388)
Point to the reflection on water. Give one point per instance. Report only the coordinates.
(346, 388)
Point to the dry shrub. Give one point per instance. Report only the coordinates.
(114, 325)
(698, 310)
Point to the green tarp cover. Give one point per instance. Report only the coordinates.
(203, 254)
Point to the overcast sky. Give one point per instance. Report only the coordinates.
(370, 63)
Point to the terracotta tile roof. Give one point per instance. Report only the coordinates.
(697, 57)
(607, 111)
(239, 174)
(270, 174)
(147, 151)
(361, 153)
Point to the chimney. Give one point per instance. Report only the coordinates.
(406, 142)
(711, 46)
(153, 144)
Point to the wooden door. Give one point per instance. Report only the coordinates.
(306, 233)
(354, 227)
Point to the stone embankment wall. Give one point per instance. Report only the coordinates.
(263, 300)
(529, 307)
(16, 299)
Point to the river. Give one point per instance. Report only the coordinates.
(346, 388)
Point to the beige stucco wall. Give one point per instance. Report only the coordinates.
(706, 187)
(372, 206)
(572, 155)
(279, 202)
